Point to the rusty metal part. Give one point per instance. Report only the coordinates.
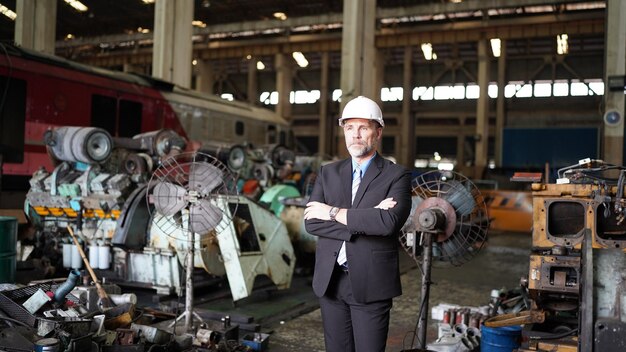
(125, 337)
(445, 209)
(523, 317)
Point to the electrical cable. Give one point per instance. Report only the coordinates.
(554, 336)
(15, 321)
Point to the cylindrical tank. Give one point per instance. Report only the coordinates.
(104, 257)
(77, 260)
(67, 255)
(501, 339)
(93, 255)
(123, 298)
(8, 245)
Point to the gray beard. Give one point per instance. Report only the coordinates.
(363, 151)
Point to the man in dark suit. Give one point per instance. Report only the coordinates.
(357, 208)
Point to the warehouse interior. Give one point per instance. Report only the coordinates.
(113, 114)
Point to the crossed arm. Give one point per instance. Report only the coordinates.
(384, 219)
(321, 211)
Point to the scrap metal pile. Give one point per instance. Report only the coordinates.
(70, 317)
(103, 208)
(101, 188)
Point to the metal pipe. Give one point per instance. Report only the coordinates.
(66, 287)
(189, 285)
(427, 242)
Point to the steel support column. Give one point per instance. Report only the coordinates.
(172, 54)
(327, 127)
(253, 90)
(206, 77)
(615, 65)
(284, 84)
(406, 152)
(482, 110)
(35, 25)
(358, 53)
(500, 103)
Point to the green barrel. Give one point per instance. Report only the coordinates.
(8, 248)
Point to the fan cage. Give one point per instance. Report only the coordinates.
(472, 223)
(176, 170)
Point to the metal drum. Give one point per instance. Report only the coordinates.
(47, 345)
(8, 246)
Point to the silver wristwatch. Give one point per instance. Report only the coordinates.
(332, 213)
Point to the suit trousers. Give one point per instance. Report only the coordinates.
(350, 326)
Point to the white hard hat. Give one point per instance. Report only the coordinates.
(362, 108)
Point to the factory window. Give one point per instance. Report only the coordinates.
(305, 97)
(512, 89)
(472, 91)
(578, 89)
(449, 92)
(337, 95)
(239, 128)
(103, 112)
(542, 89)
(596, 86)
(560, 88)
(423, 93)
(492, 90)
(130, 118)
(269, 98)
(391, 94)
(517, 89)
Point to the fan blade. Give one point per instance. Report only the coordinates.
(204, 216)
(169, 198)
(459, 197)
(204, 177)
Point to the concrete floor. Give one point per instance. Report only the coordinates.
(500, 264)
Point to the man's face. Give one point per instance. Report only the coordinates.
(362, 137)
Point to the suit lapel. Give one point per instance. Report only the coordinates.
(372, 172)
(345, 179)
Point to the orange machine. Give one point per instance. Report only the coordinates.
(510, 211)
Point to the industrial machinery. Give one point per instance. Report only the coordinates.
(99, 187)
(577, 265)
(447, 226)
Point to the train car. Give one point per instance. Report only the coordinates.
(39, 91)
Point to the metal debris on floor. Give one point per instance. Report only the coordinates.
(49, 316)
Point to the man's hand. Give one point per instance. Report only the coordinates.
(317, 210)
(386, 204)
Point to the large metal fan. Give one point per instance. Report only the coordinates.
(448, 225)
(187, 191)
(191, 194)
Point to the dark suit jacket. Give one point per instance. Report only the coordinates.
(371, 234)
